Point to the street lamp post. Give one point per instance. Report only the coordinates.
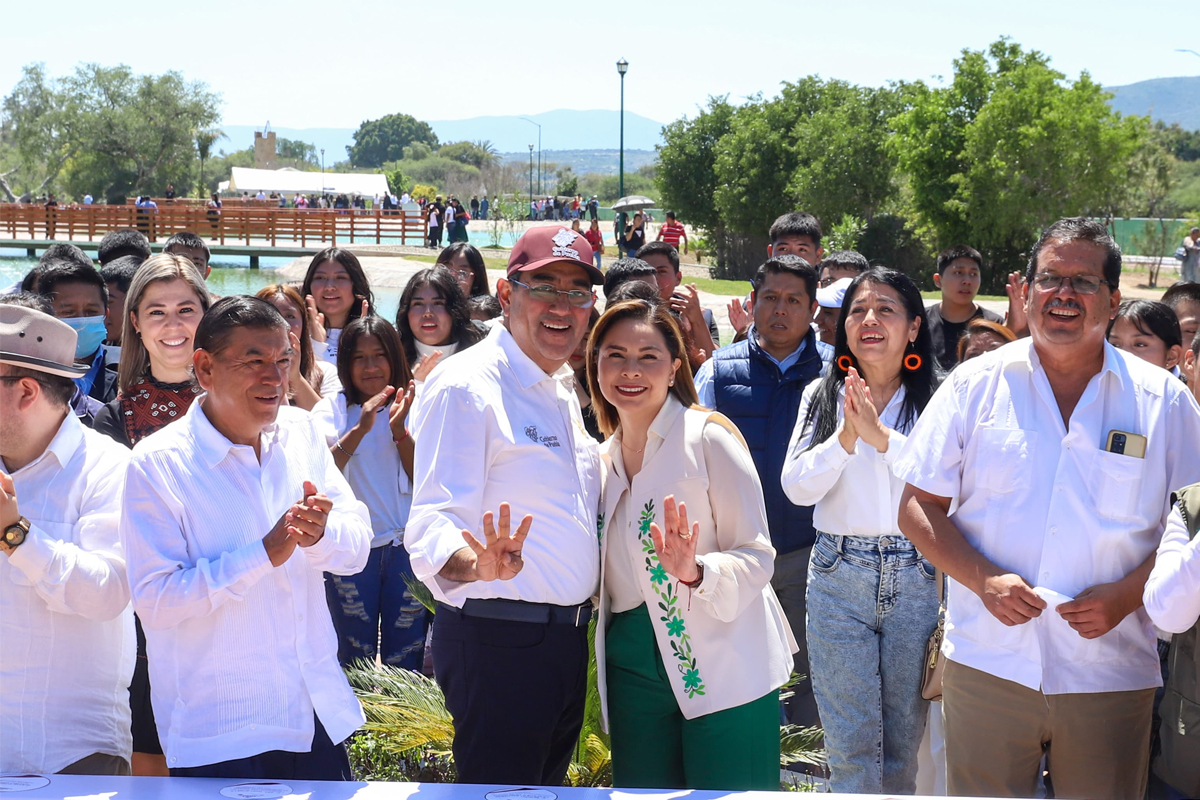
(622, 68)
(531, 180)
(322, 171)
(539, 127)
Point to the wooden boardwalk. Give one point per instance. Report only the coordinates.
(252, 229)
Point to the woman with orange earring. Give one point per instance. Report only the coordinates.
(872, 602)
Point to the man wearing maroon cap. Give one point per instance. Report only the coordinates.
(503, 437)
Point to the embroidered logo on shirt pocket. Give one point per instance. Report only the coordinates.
(1116, 483)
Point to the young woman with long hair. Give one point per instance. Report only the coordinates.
(336, 291)
(434, 320)
(466, 263)
(872, 603)
(365, 427)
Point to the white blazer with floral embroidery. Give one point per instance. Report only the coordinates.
(726, 642)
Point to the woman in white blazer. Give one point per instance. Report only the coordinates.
(691, 643)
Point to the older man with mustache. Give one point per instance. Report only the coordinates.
(1060, 452)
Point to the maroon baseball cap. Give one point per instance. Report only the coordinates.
(550, 244)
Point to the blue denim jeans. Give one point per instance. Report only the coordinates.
(872, 605)
(376, 605)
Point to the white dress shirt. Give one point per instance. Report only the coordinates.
(374, 471)
(66, 629)
(240, 652)
(493, 427)
(1047, 502)
(1172, 594)
(852, 494)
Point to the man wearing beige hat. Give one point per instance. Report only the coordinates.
(65, 619)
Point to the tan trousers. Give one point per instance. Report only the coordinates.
(1097, 745)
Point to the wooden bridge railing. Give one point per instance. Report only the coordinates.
(249, 225)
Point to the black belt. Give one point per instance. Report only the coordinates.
(520, 611)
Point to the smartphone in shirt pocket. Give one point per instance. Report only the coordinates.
(1126, 444)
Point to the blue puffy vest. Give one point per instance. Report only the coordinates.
(763, 403)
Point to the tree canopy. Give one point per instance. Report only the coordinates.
(1005, 147)
(103, 130)
(381, 140)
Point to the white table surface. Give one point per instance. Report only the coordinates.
(95, 787)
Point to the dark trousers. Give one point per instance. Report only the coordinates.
(326, 761)
(790, 583)
(516, 691)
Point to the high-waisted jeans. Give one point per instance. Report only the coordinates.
(872, 605)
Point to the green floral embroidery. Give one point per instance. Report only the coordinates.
(600, 527)
(668, 603)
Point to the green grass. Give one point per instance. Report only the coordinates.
(714, 286)
(937, 295)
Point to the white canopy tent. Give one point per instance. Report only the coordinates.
(289, 180)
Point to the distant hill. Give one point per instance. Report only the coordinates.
(1168, 99)
(604, 162)
(562, 130)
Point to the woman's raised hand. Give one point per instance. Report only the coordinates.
(499, 557)
(371, 407)
(860, 411)
(426, 365)
(316, 320)
(398, 415)
(676, 546)
(294, 375)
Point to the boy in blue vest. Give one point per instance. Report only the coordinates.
(757, 383)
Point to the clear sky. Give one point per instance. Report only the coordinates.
(310, 64)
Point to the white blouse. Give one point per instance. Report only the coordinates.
(374, 472)
(852, 494)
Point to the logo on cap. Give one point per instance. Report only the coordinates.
(563, 238)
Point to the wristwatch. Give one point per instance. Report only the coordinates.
(15, 534)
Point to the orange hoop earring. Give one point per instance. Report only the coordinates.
(913, 362)
(845, 363)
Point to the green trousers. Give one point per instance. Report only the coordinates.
(655, 747)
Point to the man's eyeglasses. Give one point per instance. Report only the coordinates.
(548, 294)
(1082, 284)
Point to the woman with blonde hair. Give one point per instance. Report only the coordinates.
(164, 304)
(691, 643)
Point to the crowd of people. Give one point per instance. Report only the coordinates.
(972, 536)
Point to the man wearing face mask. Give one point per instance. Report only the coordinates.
(80, 299)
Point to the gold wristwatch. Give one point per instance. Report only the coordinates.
(15, 534)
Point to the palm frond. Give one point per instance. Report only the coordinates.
(801, 745)
(407, 709)
(593, 766)
(420, 592)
